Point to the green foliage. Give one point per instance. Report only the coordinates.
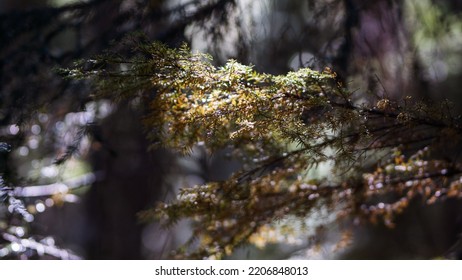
(280, 128)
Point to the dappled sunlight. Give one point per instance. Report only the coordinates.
(223, 129)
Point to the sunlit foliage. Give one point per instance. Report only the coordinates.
(280, 127)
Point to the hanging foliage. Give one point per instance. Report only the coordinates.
(280, 127)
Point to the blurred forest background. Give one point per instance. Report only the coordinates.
(77, 171)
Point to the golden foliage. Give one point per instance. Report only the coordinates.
(279, 127)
